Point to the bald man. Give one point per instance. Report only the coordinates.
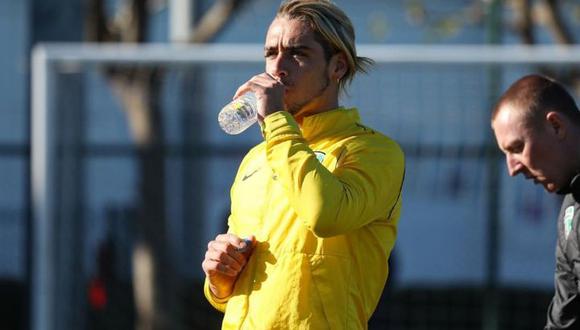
(537, 126)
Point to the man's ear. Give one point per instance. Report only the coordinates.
(338, 66)
(556, 123)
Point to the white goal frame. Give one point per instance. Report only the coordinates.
(46, 58)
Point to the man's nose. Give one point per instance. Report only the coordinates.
(514, 166)
(279, 67)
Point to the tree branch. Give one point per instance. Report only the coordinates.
(96, 25)
(555, 23)
(214, 20)
(135, 22)
(524, 24)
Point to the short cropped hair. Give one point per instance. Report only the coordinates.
(334, 31)
(535, 95)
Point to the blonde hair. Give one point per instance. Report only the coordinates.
(334, 32)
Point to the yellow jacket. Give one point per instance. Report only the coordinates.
(323, 201)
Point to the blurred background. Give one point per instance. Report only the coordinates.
(114, 174)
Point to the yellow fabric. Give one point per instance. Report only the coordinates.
(324, 226)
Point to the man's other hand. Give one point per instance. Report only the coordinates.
(225, 258)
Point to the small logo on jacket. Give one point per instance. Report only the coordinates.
(320, 156)
(568, 220)
(248, 175)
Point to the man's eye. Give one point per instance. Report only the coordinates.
(516, 149)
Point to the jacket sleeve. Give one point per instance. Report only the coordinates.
(564, 310)
(219, 304)
(365, 186)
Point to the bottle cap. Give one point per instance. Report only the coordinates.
(246, 247)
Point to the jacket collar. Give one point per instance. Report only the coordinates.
(572, 188)
(328, 123)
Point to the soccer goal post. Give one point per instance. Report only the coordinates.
(434, 100)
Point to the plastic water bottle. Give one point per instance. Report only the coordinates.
(239, 114)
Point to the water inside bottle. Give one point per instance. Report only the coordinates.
(238, 115)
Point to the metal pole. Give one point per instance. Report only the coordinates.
(491, 310)
(42, 194)
(180, 20)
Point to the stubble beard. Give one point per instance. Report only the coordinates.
(297, 107)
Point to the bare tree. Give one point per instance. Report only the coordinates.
(530, 14)
(138, 89)
(523, 22)
(527, 17)
(545, 13)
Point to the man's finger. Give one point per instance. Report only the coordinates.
(235, 259)
(231, 238)
(220, 249)
(213, 267)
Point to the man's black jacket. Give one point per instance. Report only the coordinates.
(564, 310)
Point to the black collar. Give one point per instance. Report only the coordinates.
(572, 188)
